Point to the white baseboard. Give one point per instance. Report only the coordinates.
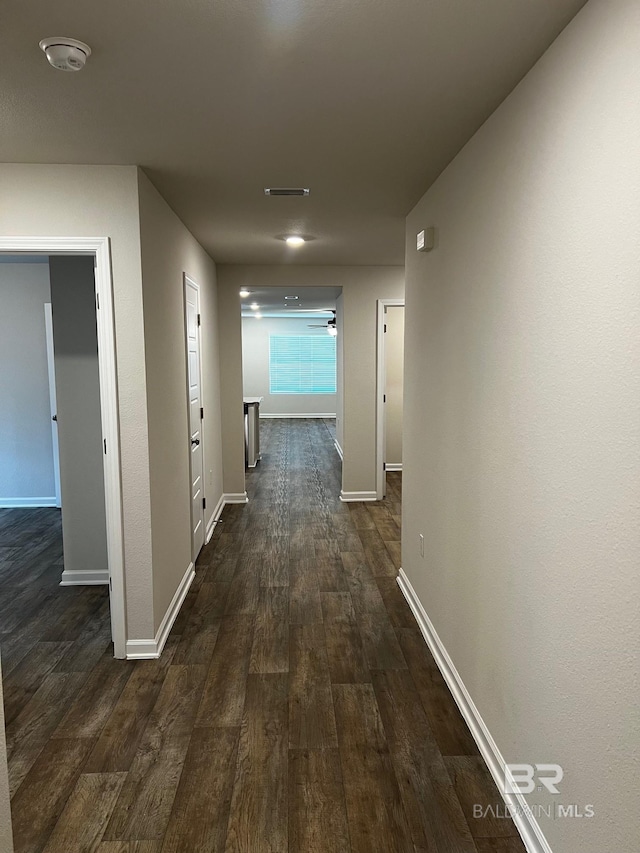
(525, 821)
(299, 415)
(393, 466)
(339, 449)
(215, 518)
(74, 578)
(146, 649)
(27, 503)
(235, 498)
(347, 497)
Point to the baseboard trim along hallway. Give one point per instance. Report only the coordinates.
(293, 415)
(348, 497)
(215, 518)
(235, 498)
(71, 578)
(27, 503)
(150, 649)
(525, 821)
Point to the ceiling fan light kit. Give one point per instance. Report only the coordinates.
(330, 325)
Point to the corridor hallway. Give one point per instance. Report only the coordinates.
(295, 708)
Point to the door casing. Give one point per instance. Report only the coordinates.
(99, 247)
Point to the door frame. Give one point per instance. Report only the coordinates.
(100, 248)
(189, 280)
(381, 306)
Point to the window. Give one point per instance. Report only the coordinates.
(302, 364)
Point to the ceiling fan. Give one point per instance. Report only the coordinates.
(330, 325)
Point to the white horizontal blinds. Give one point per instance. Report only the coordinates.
(302, 364)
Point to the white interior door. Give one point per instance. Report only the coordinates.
(51, 369)
(192, 330)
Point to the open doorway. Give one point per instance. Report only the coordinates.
(291, 357)
(75, 279)
(390, 379)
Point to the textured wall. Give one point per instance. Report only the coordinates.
(169, 250)
(522, 421)
(102, 201)
(75, 345)
(26, 452)
(232, 413)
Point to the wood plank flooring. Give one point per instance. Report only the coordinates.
(295, 708)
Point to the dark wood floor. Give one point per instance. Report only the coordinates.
(295, 708)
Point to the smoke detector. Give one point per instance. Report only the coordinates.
(66, 54)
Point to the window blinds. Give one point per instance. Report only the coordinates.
(302, 364)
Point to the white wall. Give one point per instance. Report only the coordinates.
(255, 367)
(75, 345)
(6, 835)
(26, 452)
(522, 413)
(394, 382)
(169, 250)
(361, 288)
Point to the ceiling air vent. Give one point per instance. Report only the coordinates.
(299, 191)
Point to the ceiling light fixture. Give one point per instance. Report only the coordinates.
(244, 293)
(254, 306)
(294, 240)
(292, 297)
(66, 54)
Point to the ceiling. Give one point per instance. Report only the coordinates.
(272, 301)
(364, 102)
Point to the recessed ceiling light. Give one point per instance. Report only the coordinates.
(292, 297)
(244, 293)
(294, 240)
(254, 306)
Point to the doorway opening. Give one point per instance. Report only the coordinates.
(82, 367)
(291, 359)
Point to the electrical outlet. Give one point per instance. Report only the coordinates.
(421, 545)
